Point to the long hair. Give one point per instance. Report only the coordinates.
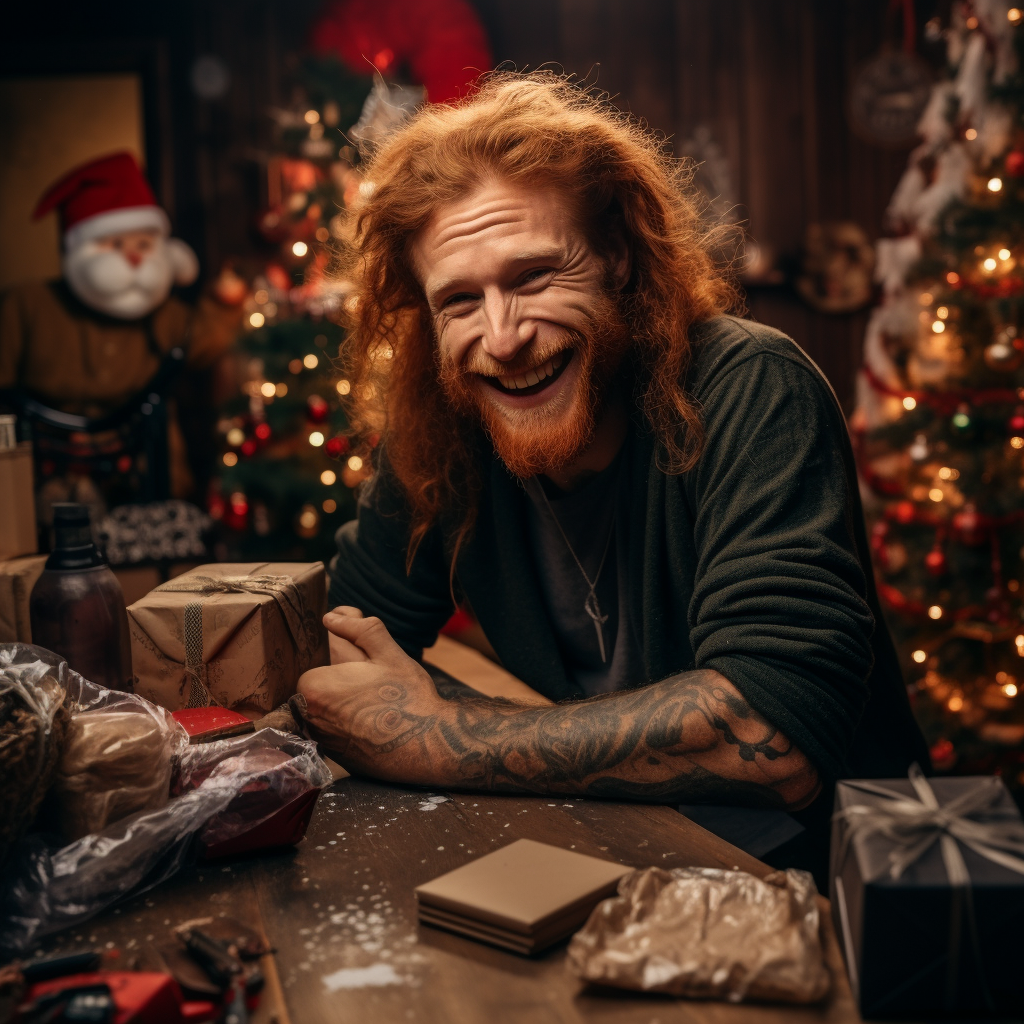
(536, 129)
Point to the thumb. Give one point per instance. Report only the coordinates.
(369, 635)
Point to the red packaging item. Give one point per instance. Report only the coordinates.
(212, 723)
(271, 810)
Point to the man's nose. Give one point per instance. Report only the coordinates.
(133, 256)
(505, 331)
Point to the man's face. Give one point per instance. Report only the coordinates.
(527, 329)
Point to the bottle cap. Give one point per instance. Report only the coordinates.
(73, 546)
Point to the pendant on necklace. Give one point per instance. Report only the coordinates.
(593, 609)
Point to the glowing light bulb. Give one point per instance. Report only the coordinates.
(1014, 15)
(281, 390)
(268, 390)
(936, 494)
(310, 361)
(945, 473)
(328, 477)
(230, 459)
(299, 248)
(329, 505)
(995, 184)
(235, 436)
(955, 703)
(925, 298)
(355, 463)
(343, 387)
(909, 403)
(1017, 442)
(257, 319)
(1004, 254)
(934, 612)
(316, 439)
(919, 656)
(970, 135)
(938, 326)
(942, 312)
(1010, 689)
(311, 116)
(989, 264)
(952, 277)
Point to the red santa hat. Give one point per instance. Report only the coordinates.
(103, 197)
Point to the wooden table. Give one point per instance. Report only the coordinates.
(341, 914)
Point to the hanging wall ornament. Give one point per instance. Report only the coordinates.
(890, 92)
(935, 561)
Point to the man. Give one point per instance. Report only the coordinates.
(645, 502)
(89, 342)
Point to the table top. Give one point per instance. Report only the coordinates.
(341, 913)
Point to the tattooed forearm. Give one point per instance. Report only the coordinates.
(688, 738)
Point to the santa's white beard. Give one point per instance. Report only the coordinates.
(106, 281)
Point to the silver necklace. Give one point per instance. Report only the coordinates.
(590, 605)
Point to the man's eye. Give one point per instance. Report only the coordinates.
(535, 275)
(454, 300)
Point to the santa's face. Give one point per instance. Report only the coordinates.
(126, 275)
(527, 326)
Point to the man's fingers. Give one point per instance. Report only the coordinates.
(369, 635)
(347, 609)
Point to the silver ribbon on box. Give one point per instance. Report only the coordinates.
(914, 826)
(284, 592)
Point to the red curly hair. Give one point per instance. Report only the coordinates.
(538, 129)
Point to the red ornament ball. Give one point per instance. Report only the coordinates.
(1015, 163)
(262, 431)
(317, 409)
(935, 562)
(968, 526)
(905, 512)
(248, 447)
(943, 755)
(336, 446)
(1015, 423)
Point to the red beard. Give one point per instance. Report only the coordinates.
(534, 441)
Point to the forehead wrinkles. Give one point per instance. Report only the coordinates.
(478, 217)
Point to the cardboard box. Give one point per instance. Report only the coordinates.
(917, 945)
(17, 503)
(17, 578)
(238, 635)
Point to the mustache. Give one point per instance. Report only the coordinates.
(486, 365)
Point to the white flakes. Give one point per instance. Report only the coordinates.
(440, 848)
(319, 847)
(375, 975)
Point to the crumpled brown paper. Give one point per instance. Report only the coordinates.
(114, 764)
(707, 933)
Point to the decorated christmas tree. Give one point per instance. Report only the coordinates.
(287, 468)
(939, 426)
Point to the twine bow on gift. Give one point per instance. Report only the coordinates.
(914, 826)
(284, 592)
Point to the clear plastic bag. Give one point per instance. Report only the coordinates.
(49, 887)
(32, 723)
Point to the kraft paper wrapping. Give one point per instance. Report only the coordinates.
(17, 578)
(707, 933)
(237, 635)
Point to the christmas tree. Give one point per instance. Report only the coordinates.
(939, 427)
(287, 468)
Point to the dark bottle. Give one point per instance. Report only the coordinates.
(77, 607)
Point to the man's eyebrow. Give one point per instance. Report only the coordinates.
(533, 256)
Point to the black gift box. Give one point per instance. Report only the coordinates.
(917, 945)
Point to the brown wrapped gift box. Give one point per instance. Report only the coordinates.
(234, 634)
(17, 578)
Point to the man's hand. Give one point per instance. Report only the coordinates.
(372, 700)
(690, 738)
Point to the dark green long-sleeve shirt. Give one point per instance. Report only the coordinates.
(755, 563)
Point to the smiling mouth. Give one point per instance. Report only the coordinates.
(534, 380)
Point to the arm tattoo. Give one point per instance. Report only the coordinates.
(691, 738)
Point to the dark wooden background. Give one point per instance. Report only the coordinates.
(766, 78)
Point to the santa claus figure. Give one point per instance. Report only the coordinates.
(98, 343)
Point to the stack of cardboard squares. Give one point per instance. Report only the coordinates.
(523, 897)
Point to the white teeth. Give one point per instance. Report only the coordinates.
(534, 376)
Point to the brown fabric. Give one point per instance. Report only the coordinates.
(235, 635)
(707, 934)
(17, 578)
(114, 763)
(89, 364)
(17, 503)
